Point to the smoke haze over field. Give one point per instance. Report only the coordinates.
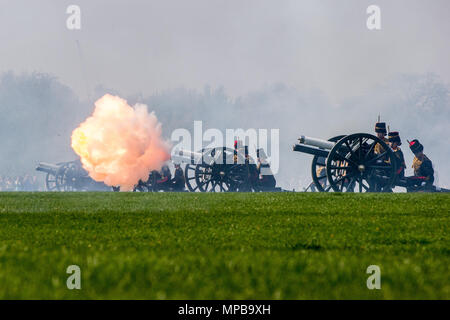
(240, 44)
(305, 67)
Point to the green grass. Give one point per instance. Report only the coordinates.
(224, 246)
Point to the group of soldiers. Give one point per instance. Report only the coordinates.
(163, 181)
(423, 177)
(258, 176)
(421, 181)
(246, 176)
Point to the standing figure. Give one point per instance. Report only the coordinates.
(266, 180)
(163, 181)
(380, 129)
(395, 143)
(423, 170)
(378, 185)
(178, 182)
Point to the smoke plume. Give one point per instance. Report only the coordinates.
(119, 145)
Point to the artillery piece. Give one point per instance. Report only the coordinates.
(220, 169)
(69, 176)
(349, 163)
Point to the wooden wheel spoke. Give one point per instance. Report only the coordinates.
(345, 159)
(349, 148)
(364, 186)
(342, 186)
(351, 183)
(372, 146)
(339, 179)
(381, 167)
(378, 157)
(360, 147)
(339, 168)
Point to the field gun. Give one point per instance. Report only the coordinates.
(222, 169)
(69, 176)
(349, 163)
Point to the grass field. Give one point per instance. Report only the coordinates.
(224, 246)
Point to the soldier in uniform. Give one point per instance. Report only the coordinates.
(266, 181)
(395, 143)
(178, 182)
(163, 179)
(423, 170)
(380, 129)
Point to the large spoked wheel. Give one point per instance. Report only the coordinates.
(72, 177)
(53, 180)
(212, 178)
(353, 166)
(50, 182)
(221, 170)
(222, 178)
(189, 177)
(191, 172)
(319, 171)
(67, 176)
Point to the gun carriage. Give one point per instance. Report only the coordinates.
(350, 163)
(220, 169)
(69, 176)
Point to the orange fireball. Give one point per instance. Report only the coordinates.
(119, 145)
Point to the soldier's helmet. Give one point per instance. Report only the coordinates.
(380, 127)
(415, 146)
(394, 136)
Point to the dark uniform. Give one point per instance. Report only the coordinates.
(394, 140)
(423, 169)
(178, 182)
(163, 181)
(378, 185)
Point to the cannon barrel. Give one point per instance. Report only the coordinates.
(314, 146)
(310, 150)
(48, 167)
(314, 142)
(187, 156)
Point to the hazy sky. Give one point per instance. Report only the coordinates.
(146, 46)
